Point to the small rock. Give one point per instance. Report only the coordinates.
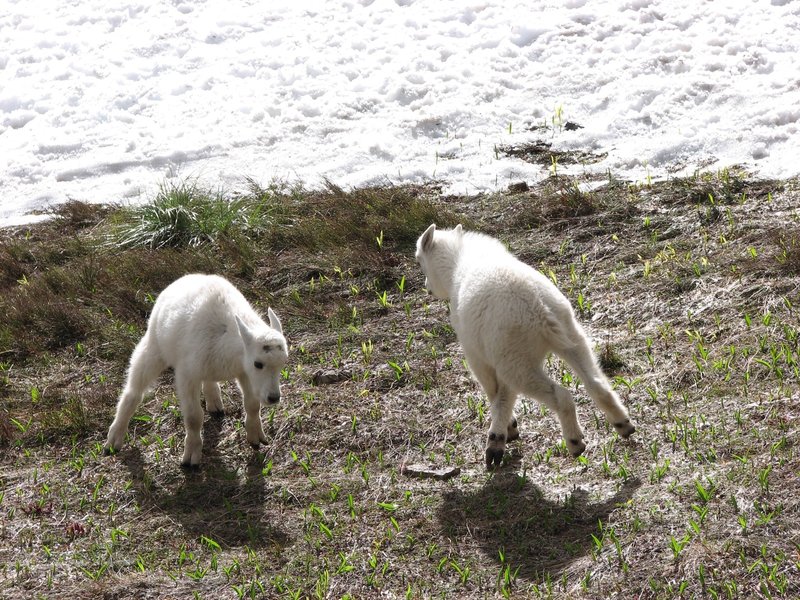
(428, 472)
(519, 187)
(327, 377)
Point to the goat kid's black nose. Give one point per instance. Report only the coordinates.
(273, 399)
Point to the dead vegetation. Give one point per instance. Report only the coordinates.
(689, 288)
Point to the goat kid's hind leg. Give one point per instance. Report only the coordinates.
(608, 401)
(145, 366)
(189, 397)
(559, 400)
(582, 361)
(497, 436)
(502, 411)
(213, 398)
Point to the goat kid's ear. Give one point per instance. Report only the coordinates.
(426, 241)
(459, 230)
(274, 321)
(244, 332)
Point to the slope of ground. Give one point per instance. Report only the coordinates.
(689, 288)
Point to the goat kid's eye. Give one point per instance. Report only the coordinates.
(258, 364)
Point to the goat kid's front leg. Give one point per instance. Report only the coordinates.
(213, 398)
(502, 427)
(189, 398)
(252, 416)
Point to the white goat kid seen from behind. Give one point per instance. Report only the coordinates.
(205, 329)
(508, 317)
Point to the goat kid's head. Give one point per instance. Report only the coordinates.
(436, 255)
(265, 356)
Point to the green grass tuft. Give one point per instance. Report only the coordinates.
(185, 215)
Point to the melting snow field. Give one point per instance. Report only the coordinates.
(102, 101)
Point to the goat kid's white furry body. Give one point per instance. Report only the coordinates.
(508, 317)
(205, 329)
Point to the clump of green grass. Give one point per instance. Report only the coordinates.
(570, 201)
(789, 251)
(555, 199)
(76, 215)
(728, 186)
(610, 360)
(338, 219)
(184, 214)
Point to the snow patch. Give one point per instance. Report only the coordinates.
(100, 101)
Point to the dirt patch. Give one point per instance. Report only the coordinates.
(541, 153)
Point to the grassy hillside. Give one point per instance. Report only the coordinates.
(689, 288)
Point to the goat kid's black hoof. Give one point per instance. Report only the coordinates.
(494, 457)
(576, 447)
(625, 429)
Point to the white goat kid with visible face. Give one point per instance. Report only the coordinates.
(508, 317)
(205, 329)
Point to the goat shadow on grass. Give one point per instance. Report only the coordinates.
(217, 501)
(537, 535)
